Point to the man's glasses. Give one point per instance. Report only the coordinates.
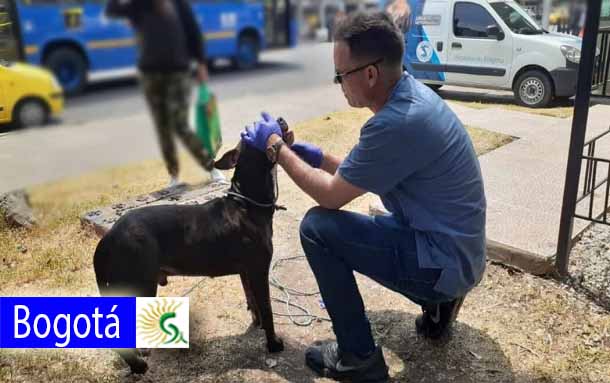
(339, 76)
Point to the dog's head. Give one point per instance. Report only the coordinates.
(254, 173)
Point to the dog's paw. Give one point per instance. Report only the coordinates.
(138, 366)
(275, 345)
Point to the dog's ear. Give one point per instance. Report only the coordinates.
(228, 160)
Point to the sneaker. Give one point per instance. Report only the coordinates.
(327, 360)
(437, 319)
(173, 182)
(217, 176)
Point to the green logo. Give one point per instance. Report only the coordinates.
(156, 325)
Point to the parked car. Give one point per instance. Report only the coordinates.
(29, 95)
(490, 44)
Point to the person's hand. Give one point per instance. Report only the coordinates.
(309, 153)
(258, 135)
(202, 73)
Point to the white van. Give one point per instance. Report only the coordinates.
(490, 44)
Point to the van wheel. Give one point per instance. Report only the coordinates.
(534, 89)
(29, 113)
(70, 69)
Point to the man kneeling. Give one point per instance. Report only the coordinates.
(416, 155)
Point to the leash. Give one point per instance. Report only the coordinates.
(305, 318)
(235, 193)
(253, 202)
(195, 286)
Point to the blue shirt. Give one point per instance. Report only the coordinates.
(416, 155)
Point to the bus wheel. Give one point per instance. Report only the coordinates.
(534, 89)
(247, 53)
(69, 67)
(29, 113)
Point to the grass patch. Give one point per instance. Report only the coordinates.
(58, 252)
(58, 261)
(52, 366)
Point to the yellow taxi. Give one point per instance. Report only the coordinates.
(29, 95)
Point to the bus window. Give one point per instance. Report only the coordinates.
(279, 16)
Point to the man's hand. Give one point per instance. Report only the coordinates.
(261, 133)
(309, 153)
(202, 73)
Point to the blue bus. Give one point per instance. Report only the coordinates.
(79, 43)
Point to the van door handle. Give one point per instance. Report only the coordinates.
(439, 46)
(456, 45)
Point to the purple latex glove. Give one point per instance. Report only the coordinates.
(258, 135)
(309, 153)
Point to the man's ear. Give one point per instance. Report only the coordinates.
(228, 160)
(372, 74)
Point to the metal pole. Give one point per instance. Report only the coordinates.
(13, 15)
(577, 138)
(546, 13)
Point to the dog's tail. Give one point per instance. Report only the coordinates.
(101, 265)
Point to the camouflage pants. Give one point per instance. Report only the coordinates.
(168, 96)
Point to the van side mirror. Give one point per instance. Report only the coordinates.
(493, 31)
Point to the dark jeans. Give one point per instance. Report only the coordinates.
(337, 243)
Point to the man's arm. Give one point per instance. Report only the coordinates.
(326, 187)
(330, 163)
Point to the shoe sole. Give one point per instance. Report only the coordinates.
(326, 373)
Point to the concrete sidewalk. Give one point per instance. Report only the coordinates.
(524, 180)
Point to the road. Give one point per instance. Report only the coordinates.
(109, 125)
(308, 65)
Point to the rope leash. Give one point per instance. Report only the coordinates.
(289, 293)
(305, 318)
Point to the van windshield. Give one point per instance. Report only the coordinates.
(516, 19)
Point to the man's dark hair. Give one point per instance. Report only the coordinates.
(371, 36)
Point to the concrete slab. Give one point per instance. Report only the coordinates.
(101, 220)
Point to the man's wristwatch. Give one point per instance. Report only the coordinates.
(273, 151)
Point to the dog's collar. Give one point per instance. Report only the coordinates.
(235, 193)
(239, 196)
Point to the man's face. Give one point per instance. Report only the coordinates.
(354, 85)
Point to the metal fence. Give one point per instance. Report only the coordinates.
(602, 64)
(597, 173)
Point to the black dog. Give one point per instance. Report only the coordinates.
(228, 235)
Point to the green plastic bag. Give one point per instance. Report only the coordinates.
(207, 121)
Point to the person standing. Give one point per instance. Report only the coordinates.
(169, 40)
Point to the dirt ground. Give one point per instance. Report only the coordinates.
(512, 328)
